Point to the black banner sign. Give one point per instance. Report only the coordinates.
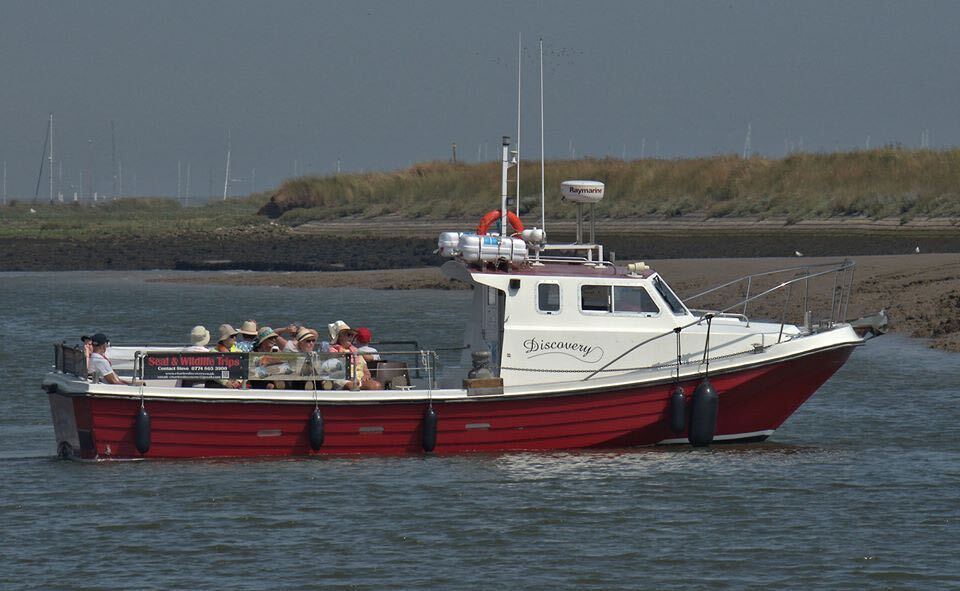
(195, 366)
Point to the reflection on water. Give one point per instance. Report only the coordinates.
(854, 491)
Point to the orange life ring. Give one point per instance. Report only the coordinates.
(494, 215)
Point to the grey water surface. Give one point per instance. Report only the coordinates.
(860, 489)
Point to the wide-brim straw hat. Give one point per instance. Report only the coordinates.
(199, 335)
(336, 328)
(249, 328)
(265, 333)
(306, 333)
(226, 331)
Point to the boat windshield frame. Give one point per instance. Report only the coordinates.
(673, 302)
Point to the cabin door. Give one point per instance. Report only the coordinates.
(492, 323)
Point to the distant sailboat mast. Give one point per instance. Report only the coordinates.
(186, 191)
(113, 158)
(43, 158)
(51, 158)
(226, 177)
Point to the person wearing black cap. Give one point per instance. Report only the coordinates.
(100, 366)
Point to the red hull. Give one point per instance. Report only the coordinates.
(751, 401)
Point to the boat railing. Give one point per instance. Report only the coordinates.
(326, 370)
(594, 254)
(807, 277)
(70, 359)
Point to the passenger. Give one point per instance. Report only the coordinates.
(364, 336)
(306, 344)
(268, 341)
(227, 343)
(296, 345)
(343, 338)
(100, 366)
(247, 336)
(291, 330)
(199, 339)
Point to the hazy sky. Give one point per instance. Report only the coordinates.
(381, 85)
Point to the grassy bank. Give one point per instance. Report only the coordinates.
(881, 183)
(884, 183)
(143, 217)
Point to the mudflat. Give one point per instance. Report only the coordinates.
(919, 292)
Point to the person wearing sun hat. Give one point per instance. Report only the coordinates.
(304, 335)
(343, 338)
(227, 343)
(199, 339)
(268, 341)
(247, 336)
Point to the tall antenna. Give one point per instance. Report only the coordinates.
(51, 158)
(543, 190)
(504, 187)
(226, 176)
(186, 193)
(519, 72)
(119, 177)
(253, 180)
(179, 184)
(4, 182)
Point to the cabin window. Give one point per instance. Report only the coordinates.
(676, 306)
(548, 298)
(634, 300)
(595, 298)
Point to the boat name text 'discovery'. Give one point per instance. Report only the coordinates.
(587, 353)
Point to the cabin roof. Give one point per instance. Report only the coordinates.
(548, 270)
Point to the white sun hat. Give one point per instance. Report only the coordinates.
(199, 336)
(336, 328)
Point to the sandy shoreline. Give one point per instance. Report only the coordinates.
(921, 292)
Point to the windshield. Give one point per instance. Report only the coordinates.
(676, 306)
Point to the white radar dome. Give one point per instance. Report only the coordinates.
(582, 191)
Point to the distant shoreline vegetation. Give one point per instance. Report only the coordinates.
(884, 183)
(880, 183)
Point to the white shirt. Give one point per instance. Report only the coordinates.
(368, 350)
(99, 366)
(292, 346)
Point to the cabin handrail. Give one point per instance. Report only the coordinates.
(839, 266)
(840, 298)
(718, 314)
